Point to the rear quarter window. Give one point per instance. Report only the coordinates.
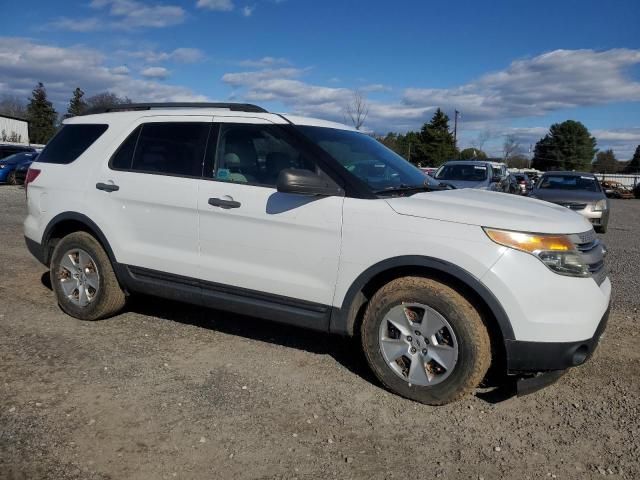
(71, 142)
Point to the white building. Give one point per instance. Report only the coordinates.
(13, 130)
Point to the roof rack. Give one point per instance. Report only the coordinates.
(126, 107)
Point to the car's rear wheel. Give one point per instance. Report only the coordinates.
(11, 178)
(83, 279)
(425, 341)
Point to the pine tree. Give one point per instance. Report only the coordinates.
(41, 115)
(567, 146)
(634, 165)
(605, 162)
(437, 144)
(77, 105)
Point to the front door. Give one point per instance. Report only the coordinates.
(265, 244)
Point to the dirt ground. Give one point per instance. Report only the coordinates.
(169, 391)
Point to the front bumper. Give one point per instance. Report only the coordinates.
(531, 357)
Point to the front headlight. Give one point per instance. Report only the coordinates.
(2, 165)
(557, 252)
(600, 206)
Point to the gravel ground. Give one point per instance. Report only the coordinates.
(172, 391)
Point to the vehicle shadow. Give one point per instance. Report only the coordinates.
(346, 351)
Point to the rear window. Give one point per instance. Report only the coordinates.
(569, 182)
(71, 142)
(464, 172)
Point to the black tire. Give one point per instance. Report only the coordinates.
(109, 298)
(11, 178)
(474, 348)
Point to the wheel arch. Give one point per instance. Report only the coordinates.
(68, 222)
(345, 319)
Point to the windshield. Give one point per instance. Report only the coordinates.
(569, 182)
(464, 172)
(367, 159)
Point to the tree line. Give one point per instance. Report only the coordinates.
(567, 146)
(43, 118)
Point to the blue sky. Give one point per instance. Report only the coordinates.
(510, 67)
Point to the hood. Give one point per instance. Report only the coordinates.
(564, 196)
(491, 209)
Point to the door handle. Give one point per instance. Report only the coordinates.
(107, 187)
(224, 203)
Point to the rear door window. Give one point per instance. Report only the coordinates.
(71, 142)
(168, 148)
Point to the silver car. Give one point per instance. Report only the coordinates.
(581, 192)
(474, 174)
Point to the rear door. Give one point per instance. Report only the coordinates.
(256, 239)
(147, 194)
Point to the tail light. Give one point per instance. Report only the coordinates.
(522, 182)
(32, 174)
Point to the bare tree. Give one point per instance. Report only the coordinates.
(13, 106)
(481, 139)
(510, 147)
(105, 100)
(357, 109)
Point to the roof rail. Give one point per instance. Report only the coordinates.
(126, 107)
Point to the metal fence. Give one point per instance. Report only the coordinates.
(628, 180)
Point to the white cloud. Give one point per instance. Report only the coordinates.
(264, 62)
(556, 80)
(219, 5)
(25, 62)
(247, 10)
(121, 70)
(179, 55)
(89, 24)
(155, 72)
(284, 85)
(375, 87)
(125, 14)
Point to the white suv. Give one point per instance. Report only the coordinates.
(312, 223)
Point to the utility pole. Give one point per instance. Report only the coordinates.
(455, 127)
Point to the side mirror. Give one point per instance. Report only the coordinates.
(306, 182)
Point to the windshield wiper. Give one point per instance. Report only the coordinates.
(402, 188)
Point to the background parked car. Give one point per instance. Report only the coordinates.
(524, 183)
(613, 189)
(581, 192)
(21, 172)
(11, 149)
(474, 174)
(9, 164)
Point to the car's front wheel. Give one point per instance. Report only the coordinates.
(83, 279)
(425, 341)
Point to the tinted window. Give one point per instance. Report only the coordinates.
(569, 182)
(470, 173)
(71, 142)
(165, 148)
(256, 154)
(124, 156)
